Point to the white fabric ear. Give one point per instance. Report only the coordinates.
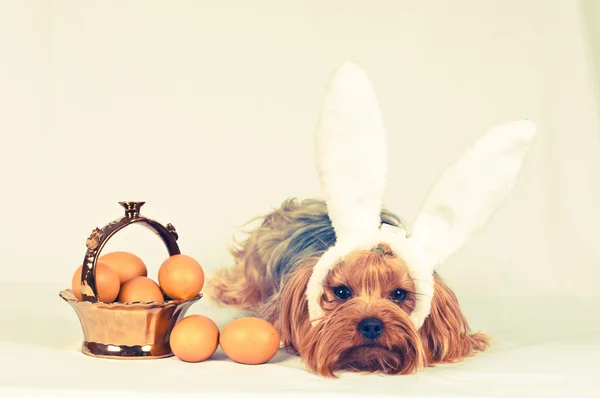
(469, 191)
(351, 154)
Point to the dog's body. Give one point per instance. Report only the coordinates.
(271, 271)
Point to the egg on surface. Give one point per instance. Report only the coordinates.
(181, 277)
(194, 338)
(250, 341)
(140, 289)
(127, 265)
(107, 282)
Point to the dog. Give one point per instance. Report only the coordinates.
(367, 301)
(343, 280)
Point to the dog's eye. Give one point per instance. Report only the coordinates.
(398, 295)
(342, 292)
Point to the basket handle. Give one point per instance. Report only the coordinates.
(98, 238)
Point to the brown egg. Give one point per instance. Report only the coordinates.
(127, 265)
(250, 341)
(195, 338)
(181, 277)
(107, 282)
(140, 290)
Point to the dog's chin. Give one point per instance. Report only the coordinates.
(371, 358)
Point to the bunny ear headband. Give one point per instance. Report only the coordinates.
(352, 163)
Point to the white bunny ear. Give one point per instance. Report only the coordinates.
(469, 191)
(351, 154)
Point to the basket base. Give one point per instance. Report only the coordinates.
(99, 350)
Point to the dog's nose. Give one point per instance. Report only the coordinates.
(371, 328)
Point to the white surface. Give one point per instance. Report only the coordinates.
(220, 101)
(554, 353)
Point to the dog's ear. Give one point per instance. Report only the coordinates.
(469, 192)
(292, 317)
(351, 154)
(445, 334)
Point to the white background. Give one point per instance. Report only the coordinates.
(206, 110)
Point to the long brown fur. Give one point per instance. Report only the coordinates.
(275, 290)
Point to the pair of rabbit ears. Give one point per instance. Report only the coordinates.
(352, 163)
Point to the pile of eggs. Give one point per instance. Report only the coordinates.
(123, 277)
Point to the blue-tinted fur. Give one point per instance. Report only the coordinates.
(309, 234)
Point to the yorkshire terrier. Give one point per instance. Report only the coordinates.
(345, 283)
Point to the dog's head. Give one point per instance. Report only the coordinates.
(366, 325)
(367, 300)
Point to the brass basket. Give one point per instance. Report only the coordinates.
(125, 330)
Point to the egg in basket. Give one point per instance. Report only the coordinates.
(123, 313)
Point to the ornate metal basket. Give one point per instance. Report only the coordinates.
(125, 330)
